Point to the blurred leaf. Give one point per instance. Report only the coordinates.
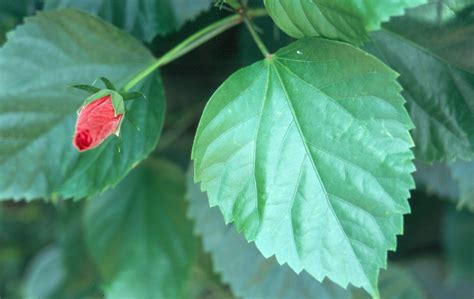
(453, 181)
(11, 14)
(443, 113)
(46, 274)
(143, 18)
(463, 172)
(458, 236)
(242, 266)
(139, 237)
(63, 269)
(348, 20)
(431, 274)
(37, 159)
(436, 179)
(282, 131)
(24, 230)
(396, 283)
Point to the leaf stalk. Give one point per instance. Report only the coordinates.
(194, 41)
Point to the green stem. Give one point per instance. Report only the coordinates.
(255, 35)
(193, 42)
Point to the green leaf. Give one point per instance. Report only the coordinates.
(142, 18)
(348, 20)
(308, 152)
(436, 179)
(45, 274)
(458, 236)
(139, 236)
(63, 269)
(11, 13)
(42, 59)
(396, 283)
(451, 181)
(463, 172)
(438, 89)
(242, 266)
(433, 275)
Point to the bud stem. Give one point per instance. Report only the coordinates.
(193, 42)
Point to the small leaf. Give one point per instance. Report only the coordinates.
(139, 236)
(243, 267)
(107, 83)
(308, 152)
(343, 20)
(89, 88)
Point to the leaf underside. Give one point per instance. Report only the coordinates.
(308, 153)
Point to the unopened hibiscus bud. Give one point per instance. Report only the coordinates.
(99, 117)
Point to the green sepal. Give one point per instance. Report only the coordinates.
(117, 103)
(131, 121)
(117, 100)
(134, 95)
(108, 83)
(89, 88)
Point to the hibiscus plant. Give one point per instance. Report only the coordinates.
(307, 149)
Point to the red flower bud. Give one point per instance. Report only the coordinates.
(97, 120)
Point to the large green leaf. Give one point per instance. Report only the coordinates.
(348, 20)
(40, 61)
(435, 61)
(308, 152)
(242, 266)
(139, 236)
(143, 18)
(458, 236)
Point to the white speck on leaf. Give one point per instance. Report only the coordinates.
(299, 52)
